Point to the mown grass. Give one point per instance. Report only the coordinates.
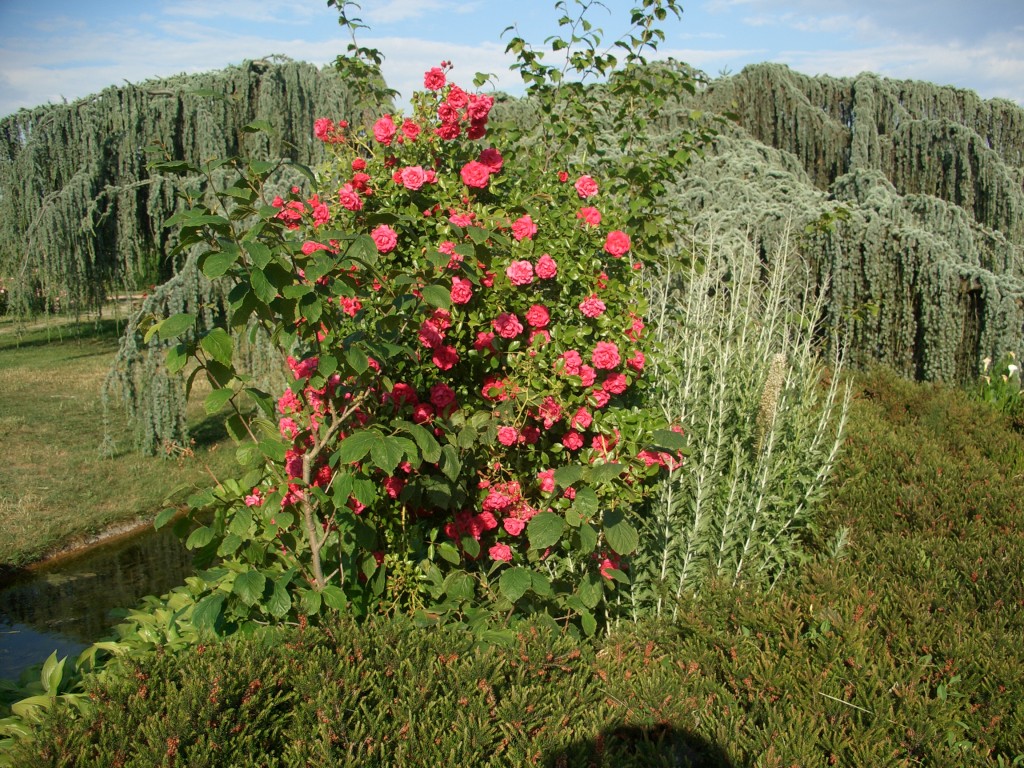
(55, 487)
(902, 647)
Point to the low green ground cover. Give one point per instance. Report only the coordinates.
(897, 644)
(55, 487)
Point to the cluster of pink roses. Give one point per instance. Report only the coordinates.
(546, 349)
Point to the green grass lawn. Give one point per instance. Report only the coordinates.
(55, 488)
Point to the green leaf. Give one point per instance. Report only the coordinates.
(588, 622)
(208, 610)
(514, 582)
(216, 399)
(541, 584)
(241, 522)
(567, 475)
(586, 502)
(200, 537)
(357, 359)
(217, 264)
(588, 539)
(273, 449)
(459, 586)
(430, 449)
(263, 289)
(621, 536)
(669, 440)
(448, 551)
(249, 586)
(175, 325)
(229, 545)
(437, 295)
(310, 602)
(355, 447)
(590, 590)
(260, 253)
(53, 672)
(450, 464)
(218, 344)
(603, 473)
(165, 516)
(334, 597)
(544, 530)
(280, 601)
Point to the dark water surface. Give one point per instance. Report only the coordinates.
(65, 606)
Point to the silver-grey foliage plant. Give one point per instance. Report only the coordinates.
(748, 370)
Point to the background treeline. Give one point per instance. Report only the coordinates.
(905, 199)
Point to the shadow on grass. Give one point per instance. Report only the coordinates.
(60, 332)
(630, 746)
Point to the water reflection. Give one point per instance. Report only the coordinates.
(66, 605)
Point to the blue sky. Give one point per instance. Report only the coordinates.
(78, 47)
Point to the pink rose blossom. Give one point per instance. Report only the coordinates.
(592, 306)
(413, 177)
(549, 412)
(484, 341)
(513, 525)
(507, 325)
(523, 228)
(462, 290)
(384, 130)
(520, 272)
(422, 413)
(457, 98)
(508, 436)
(615, 384)
(538, 316)
(288, 428)
(590, 216)
(385, 238)
(349, 198)
(600, 398)
(479, 107)
(445, 357)
(587, 375)
(617, 243)
(441, 395)
(605, 356)
(637, 361)
(492, 159)
(434, 79)
(322, 128)
(500, 553)
(546, 267)
(254, 499)
(572, 440)
(586, 187)
(547, 480)
(581, 419)
(475, 174)
(410, 129)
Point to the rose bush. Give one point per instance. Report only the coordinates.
(465, 433)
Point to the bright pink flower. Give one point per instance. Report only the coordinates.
(520, 272)
(462, 290)
(441, 395)
(523, 228)
(293, 463)
(572, 440)
(600, 398)
(549, 412)
(617, 243)
(349, 306)
(507, 325)
(587, 375)
(586, 187)
(538, 316)
(384, 130)
(288, 428)
(323, 127)
(547, 480)
(615, 384)
(500, 553)
(422, 413)
(413, 177)
(359, 164)
(349, 198)
(475, 174)
(592, 306)
(513, 525)
(445, 357)
(434, 79)
(303, 369)
(462, 219)
(546, 267)
(608, 564)
(393, 486)
(508, 436)
(590, 216)
(410, 129)
(563, 176)
(530, 434)
(484, 340)
(637, 361)
(581, 419)
(492, 159)
(310, 247)
(605, 356)
(385, 238)
(479, 107)
(569, 363)
(254, 499)
(288, 403)
(636, 328)
(457, 98)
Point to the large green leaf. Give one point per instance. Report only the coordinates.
(207, 611)
(386, 453)
(666, 438)
(514, 582)
(544, 530)
(217, 344)
(175, 325)
(437, 295)
(249, 586)
(621, 536)
(280, 601)
(355, 447)
(217, 264)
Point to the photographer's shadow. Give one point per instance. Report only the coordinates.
(630, 746)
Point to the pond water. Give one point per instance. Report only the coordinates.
(65, 606)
